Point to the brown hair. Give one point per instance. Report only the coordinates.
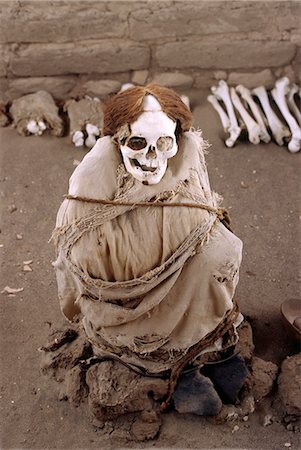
(125, 107)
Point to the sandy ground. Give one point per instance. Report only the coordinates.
(261, 188)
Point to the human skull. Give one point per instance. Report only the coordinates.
(150, 144)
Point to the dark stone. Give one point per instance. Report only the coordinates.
(228, 377)
(195, 394)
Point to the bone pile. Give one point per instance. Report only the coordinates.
(260, 113)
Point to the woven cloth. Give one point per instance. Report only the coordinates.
(149, 282)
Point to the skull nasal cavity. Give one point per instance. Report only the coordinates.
(151, 153)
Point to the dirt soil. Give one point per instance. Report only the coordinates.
(261, 187)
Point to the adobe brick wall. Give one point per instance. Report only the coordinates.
(60, 45)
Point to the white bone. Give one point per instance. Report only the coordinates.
(222, 93)
(92, 129)
(246, 95)
(126, 86)
(252, 127)
(291, 102)
(78, 138)
(278, 129)
(33, 127)
(185, 100)
(280, 90)
(90, 141)
(42, 125)
(92, 132)
(222, 114)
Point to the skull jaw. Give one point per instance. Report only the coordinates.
(142, 174)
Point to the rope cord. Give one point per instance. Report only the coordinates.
(221, 213)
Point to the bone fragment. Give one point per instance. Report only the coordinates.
(93, 132)
(291, 102)
(246, 95)
(126, 86)
(78, 138)
(280, 90)
(252, 127)
(222, 93)
(278, 129)
(185, 100)
(33, 127)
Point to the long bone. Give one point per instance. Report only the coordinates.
(291, 102)
(222, 93)
(278, 129)
(246, 95)
(280, 90)
(222, 114)
(252, 127)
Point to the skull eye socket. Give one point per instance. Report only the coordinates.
(137, 143)
(164, 143)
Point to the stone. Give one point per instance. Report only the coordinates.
(204, 79)
(4, 58)
(159, 20)
(58, 87)
(146, 426)
(38, 21)
(79, 58)
(252, 79)
(3, 90)
(76, 388)
(115, 390)
(289, 72)
(101, 88)
(173, 80)
(215, 53)
(245, 345)
(140, 77)
(228, 377)
(195, 394)
(220, 75)
(264, 374)
(289, 385)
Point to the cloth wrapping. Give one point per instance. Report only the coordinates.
(150, 282)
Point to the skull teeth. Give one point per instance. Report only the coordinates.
(143, 167)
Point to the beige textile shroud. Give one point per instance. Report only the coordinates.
(150, 282)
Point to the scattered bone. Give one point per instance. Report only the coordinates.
(222, 93)
(78, 139)
(93, 133)
(279, 92)
(253, 128)
(9, 290)
(126, 86)
(246, 95)
(222, 114)
(279, 130)
(86, 118)
(267, 420)
(27, 268)
(19, 237)
(32, 112)
(291, 102)
(28, 262)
